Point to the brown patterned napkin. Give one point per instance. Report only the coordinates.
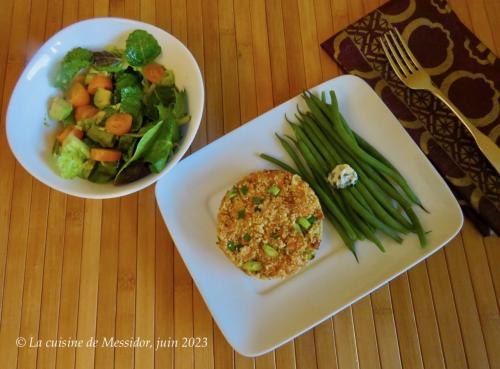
(462, 67)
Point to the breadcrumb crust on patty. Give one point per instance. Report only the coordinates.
(259, 224)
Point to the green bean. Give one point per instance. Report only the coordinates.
(289, 149)
(319, 158)
(323, 112)
(348, 241)
(335, 157)
(380, 211)
(322, 175)
(367, 216)
(350, 199)
(279, 163)
(335, 210)
(418, 227)
(372, 173)
(359, 192)
(379, 193)
(370, 189)
(367, 232)
(321, 194)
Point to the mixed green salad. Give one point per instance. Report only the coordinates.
(120, 112)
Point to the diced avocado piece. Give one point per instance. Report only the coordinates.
(87, 168)
(102, 98)
(252, 266)
(59, 109)
(101, 136)
(99, 117)
(73, 154)
(269, 250)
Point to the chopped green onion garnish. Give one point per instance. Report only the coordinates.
(244, 190)
(274, 190)
(232, 192)
(309, 254)
(252, 266)
(269, 250)
(304, 223)
(312, 219)
(231, 246)
(241, 214)
(247, 237)
(257, 200)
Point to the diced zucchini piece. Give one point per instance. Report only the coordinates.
(269, 250)
(252, 266)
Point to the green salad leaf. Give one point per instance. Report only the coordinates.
(156, 145)
(74, 61)
(164, 95)
(142, 147)
(72, 156)
(103, 172)
(126, 79)
(141, 48)
(160, 150)
(108, 62)
(131, 102)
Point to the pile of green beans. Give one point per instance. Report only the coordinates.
(381, 200)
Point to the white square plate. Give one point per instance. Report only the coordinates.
(257, 316)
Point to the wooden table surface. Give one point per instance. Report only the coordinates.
(73, 268)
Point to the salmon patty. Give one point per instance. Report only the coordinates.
(269, 224)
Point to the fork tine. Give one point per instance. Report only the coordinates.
(402, 53)
(407, 49)
(396, 57)
(392, 62)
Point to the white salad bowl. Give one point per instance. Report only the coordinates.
(31, 134)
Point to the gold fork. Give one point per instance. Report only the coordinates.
(411, 73)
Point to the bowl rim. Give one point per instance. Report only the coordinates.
(134, 186)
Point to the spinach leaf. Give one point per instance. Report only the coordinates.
(126, 145)
(126, 79)
(74, 61)
(109, 62)
(160, 150)
(131, 102)
(141, 48)
(164, 95)
(142, 147)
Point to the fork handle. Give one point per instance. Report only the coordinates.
(485, 144)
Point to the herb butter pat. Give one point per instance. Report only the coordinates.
(343, 176)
